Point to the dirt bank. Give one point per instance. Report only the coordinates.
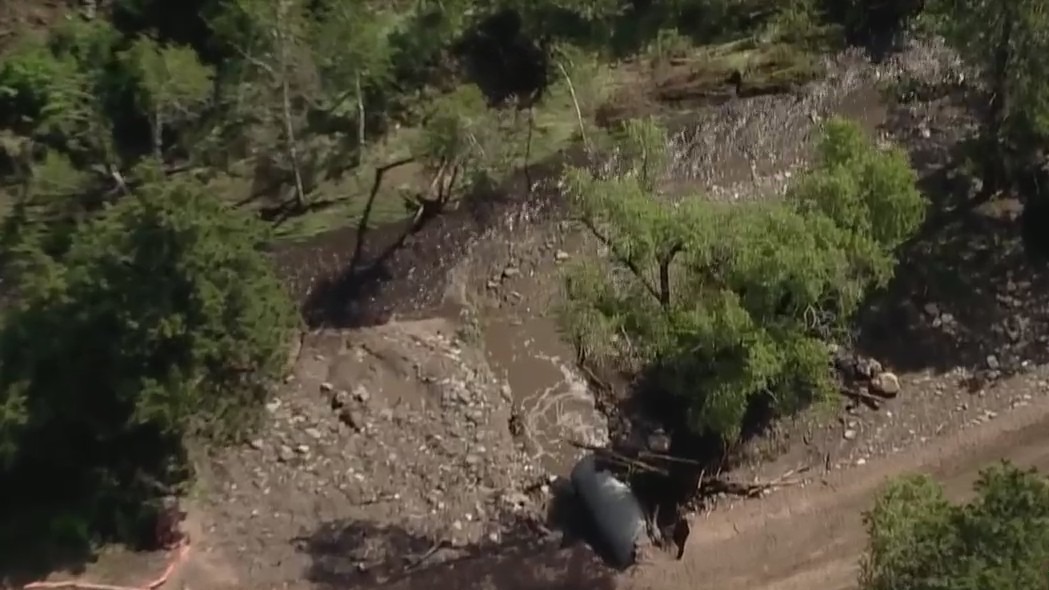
(803, 538)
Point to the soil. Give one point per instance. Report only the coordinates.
(418, 439)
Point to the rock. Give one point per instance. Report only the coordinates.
(561, 256)
(285, 454)
(845, 363)
(849, 434)
(1013, 329)
(932, 310)
(993, 363)
(658, 441)
(313, 433)
(302, 449)
(868, 368)
(257, 444)
(352, 418)
(339, 399)
(361, 394)
(492, 284)
(511, 271)
(886, 384)
(327, 387)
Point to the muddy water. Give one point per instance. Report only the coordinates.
(553, 403)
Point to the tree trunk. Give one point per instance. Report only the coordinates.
(664, 276)
(293, 152)
(158, 136)
(360, 115)
(998, 108)
(289, 124)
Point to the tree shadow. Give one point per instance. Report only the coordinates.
(967, 292)
(360, 554)
(71, 494)
(360, 276)
(964, 293)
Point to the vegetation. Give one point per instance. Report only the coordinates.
(160, 322)
(1005, 41)
(730, 306)
(287, 108)
(921, 541)
(148, 154)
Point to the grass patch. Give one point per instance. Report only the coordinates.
(555, 126)
(761, 68)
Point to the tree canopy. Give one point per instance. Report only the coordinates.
(731, 305)
(921, 541)
(162, 320)
(142, 148)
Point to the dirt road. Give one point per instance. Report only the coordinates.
(803, 538)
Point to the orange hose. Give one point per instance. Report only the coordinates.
(180, 556)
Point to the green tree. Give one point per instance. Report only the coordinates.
(920, 541)
(352, 48)
(163, 321)
(56, 93)
(172, 85)
(1006, 40)
(729, 305)
(276, 78)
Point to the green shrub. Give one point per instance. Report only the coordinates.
(919, 540)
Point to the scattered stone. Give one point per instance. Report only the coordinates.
(868, 368)
(849, 434)
(257, 444)
(510, 272)
(285, 454)
(302, 449)
(327, 387)
(352, 418)
(993, 363)
(313, 433)
(492, 284)
(861, 461)
(932, 310)
(886, 384)
(658, 441)
(339, 399)
(361, 394)
(561, 256)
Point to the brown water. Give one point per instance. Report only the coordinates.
(552, 399)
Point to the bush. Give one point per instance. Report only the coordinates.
(163, 321)
(729, 306)
(918, 540)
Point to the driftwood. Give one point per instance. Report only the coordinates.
(618, 458)
(871, 401)
(757, 488)
(715, 484)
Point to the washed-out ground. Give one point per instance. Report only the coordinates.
(420, 452)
